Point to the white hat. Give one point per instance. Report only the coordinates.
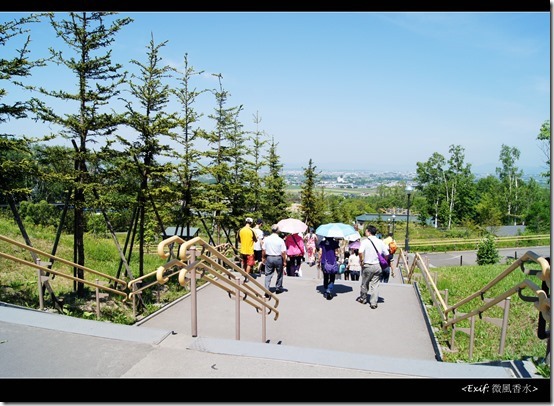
(249, 220)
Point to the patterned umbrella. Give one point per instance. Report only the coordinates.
(335, 230)
(292, 226)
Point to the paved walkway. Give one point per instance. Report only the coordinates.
(313, 337)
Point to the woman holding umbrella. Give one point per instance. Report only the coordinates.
(295, 252)
(328, 251)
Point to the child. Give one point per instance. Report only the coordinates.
(354, 266)
(346, 267)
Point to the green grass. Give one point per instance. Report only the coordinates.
(521, 338)
(18, 282)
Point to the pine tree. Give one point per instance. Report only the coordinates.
(308, 199)
(97, 82)
(151, 123)
(216, 197)
(274, 196)
(259, 162)
(16, 161)
(187, 166)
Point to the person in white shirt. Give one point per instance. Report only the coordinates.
(354, 265)
(274, 257)
(371, 269)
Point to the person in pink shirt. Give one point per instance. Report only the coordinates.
(295, 253)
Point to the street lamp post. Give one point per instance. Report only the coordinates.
(409, 189)
(393, 220)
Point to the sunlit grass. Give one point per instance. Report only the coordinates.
(521, 337)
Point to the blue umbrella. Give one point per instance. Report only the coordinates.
(335, 230)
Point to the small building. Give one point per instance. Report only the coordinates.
(184, 232)
(506, 231)
(367, 218)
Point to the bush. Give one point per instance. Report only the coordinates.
(487, 254)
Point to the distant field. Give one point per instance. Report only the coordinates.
(336, 191)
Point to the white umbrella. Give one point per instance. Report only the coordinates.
(353, 237)
(292, 226)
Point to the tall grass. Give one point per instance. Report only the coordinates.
(18, 282)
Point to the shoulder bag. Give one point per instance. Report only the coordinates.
(382, 260)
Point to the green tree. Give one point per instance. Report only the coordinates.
(187, 155)
(151, 122)
(510, 178)
(258, 144)
(308, 198)
(98, 79)
(55, 179)
(488, 210)
(448, 191)
(16, 161)
(544, 138)
(216, 198)
(459, 190)
(239, 189)
(430, 179)
(274, 199)
(536, 207)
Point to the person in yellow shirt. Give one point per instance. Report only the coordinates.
(247, 239)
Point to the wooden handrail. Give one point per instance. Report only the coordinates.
(541, 299)
(210, 270)
(460, 241)
(45, 269)
(519, 263)
(64, 261)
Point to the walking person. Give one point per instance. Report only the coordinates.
(274, 257)
(311, 242)
(371, 269)
(295, 253)
(328, 252)
(354, 265)
(345, 264)
(247, 239)
(258, 246)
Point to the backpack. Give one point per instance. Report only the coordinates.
(392, 247)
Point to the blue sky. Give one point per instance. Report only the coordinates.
(360, 90)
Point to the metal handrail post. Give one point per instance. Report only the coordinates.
(237, 308)
(193, 295)
(40, 294)
(504, 325)
(264, 320)
(97, 300)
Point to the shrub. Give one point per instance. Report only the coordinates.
(487, 254)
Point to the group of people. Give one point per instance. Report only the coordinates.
(363, 262)
(273, 254)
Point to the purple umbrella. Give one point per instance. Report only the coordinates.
(354, 245)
